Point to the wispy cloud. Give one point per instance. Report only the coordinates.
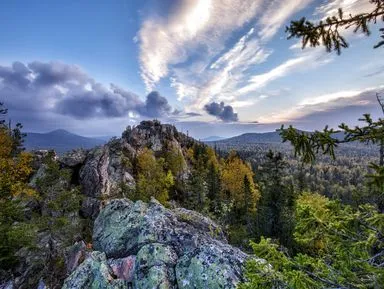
(168, 39)
(323, 103)
(192, 42)
(330, 8)
(309, 60)
(277, 14)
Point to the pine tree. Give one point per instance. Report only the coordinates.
(327, 32)
(276, 206)
(341, 248)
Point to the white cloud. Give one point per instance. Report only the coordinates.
(325, 102)
(199, 30)
(242, 103)
(277, 14)
(310, 59)
(330, 8)
(222, 77)
(262, 80)
(329, 97)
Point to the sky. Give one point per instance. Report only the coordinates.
(210, 67)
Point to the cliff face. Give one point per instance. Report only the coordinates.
(104, 171)
(140, 245)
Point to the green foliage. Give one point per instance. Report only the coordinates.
(197, 191)
(57, 221)
(174, 161)
(342, 248)
(326, 32)
(60, 202)
(307, 145)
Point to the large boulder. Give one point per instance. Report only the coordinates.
(167, 248)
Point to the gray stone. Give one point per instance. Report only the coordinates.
(73, 158)
(74, 255)
(42, 285)
(104, 172)
(155, 267)
(123, 268)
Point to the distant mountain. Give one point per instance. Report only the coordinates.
(267, 137)
(212, 138)
(60, 140)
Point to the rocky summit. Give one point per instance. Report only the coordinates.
(100, 239)
(145, 245)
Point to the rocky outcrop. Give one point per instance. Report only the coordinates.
(152, 135)
(105, 173)
(73, 158)
(145, 245)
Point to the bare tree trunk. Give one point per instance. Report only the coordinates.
(382, 153)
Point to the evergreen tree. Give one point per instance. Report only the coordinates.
(276, 206)
(58, 221)
(327, 31)
(214, 185)
(341, 248)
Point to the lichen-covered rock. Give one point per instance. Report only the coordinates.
(209, 267)
(155, 267)
(174, 248)
(93, 273)
(40, 173)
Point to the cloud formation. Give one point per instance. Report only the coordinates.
(189, 25)
(211, 50)
(63, 89)
(221, 111)
(332, 107)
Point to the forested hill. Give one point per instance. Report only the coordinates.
(268, 137)
(262, 142)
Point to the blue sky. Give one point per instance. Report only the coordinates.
(219, 67)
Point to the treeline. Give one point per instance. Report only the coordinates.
(342, 178)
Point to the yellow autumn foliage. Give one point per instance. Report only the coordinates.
(15, 170)
(233, 174)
